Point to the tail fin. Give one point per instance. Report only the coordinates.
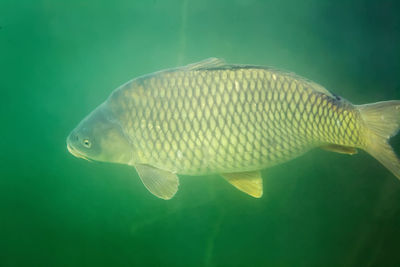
(382, 120)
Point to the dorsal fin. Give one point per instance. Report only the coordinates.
(218, 63)
(313, 85)
(211, 62)
(319, 88)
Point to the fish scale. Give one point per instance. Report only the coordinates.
(230, 119)
(210, 117)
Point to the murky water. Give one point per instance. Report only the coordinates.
(60, 59)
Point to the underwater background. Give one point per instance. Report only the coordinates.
(60, 59)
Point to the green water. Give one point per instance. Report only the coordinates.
(60, 59)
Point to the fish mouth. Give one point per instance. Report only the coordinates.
(76, 153)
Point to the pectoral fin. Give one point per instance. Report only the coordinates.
(340, 149)
(247, 182)
(163, 184)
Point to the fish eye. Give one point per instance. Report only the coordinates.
(87, 143)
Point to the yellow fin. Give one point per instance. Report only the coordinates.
(163, 184)
(382, 121)
(248, 182)
(340, 149)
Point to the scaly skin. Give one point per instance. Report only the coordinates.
(230, 119)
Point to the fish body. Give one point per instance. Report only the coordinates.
(234, 120)
(229, 119)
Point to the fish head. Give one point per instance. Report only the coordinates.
(100, 137)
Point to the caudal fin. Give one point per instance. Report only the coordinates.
(382, 121)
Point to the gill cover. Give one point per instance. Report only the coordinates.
(100, 137)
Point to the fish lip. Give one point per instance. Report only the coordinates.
(76, 153)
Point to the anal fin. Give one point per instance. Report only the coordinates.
(163, 184)
(248, 182)
(340, 149)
